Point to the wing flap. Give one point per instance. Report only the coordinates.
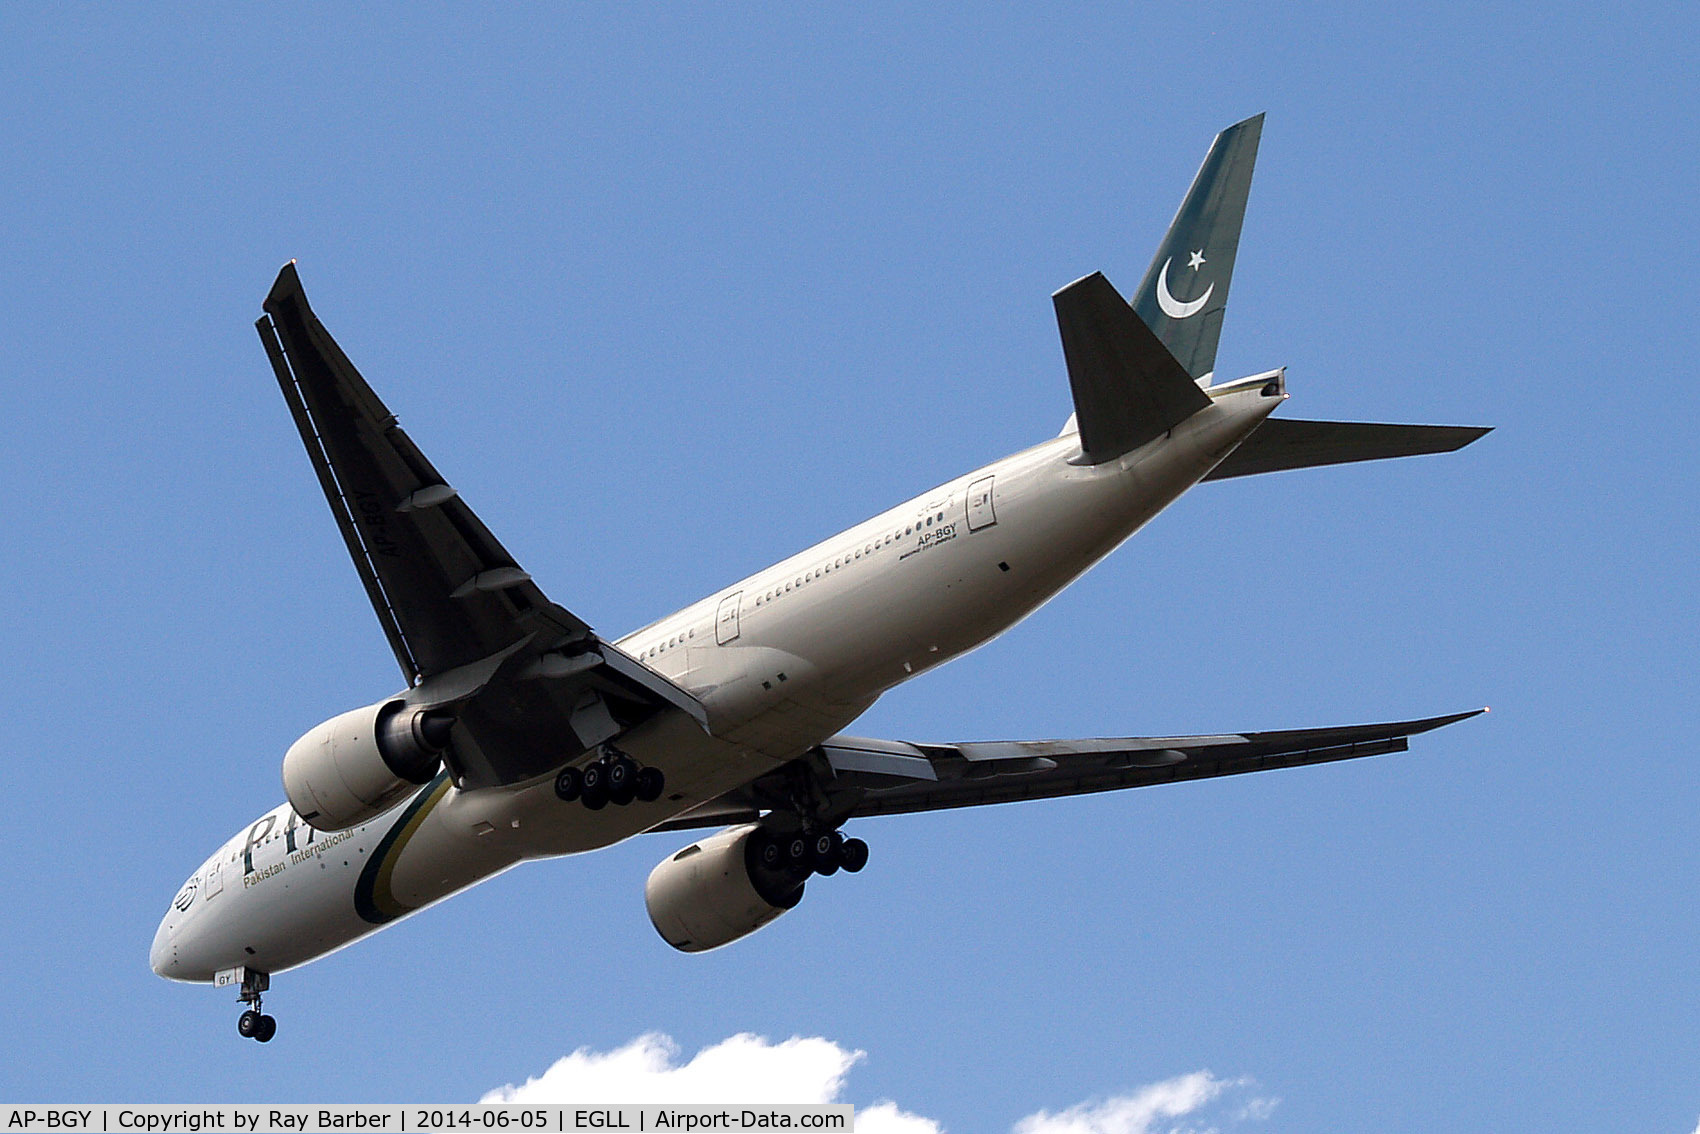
(884, 760)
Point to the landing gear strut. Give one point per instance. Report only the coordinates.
(613, 778)
(254, 1024)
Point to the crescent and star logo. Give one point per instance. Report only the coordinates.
(1173, 307)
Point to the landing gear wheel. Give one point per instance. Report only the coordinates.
(266, 1029)
(593, 785)
(620, 773)
(823, 855)
(568, 785)
(854, 855)
(768, 852)
(622, 785)
(797, 851)
(621, 769)
(650, 784)
(248, 1024)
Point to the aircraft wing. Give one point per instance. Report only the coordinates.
(463, 618)
(862, 777)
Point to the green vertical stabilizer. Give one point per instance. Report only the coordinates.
(1185, 291)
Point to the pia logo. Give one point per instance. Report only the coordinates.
(1166, 300)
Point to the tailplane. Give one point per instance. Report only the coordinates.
(1287, 443)
(1136, 369)
(1185, 291)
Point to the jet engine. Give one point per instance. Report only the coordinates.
(360, 764)
(717, 890)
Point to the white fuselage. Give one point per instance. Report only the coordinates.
(781, 660)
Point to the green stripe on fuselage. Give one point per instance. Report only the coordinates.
(373, 899)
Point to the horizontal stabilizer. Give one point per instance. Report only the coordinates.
(1280, 444)
(1127, 387)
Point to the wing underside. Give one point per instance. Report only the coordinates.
(863, 777)
(530, 682)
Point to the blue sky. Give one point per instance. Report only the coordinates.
(669, 293)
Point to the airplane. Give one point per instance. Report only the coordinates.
(522, 733)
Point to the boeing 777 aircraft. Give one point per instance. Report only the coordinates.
(521, 733)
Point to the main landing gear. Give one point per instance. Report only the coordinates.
(613, 778)
(810, 852)
(254, 1024)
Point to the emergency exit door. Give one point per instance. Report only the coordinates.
(726, 619)
(981, 514)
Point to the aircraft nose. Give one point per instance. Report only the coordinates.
(161, 957)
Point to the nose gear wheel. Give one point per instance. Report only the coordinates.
(254, 1024)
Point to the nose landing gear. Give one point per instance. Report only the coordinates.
(254, 1024)
(613, 778)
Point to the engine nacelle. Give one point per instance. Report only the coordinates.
(360, 764)
(716, 891)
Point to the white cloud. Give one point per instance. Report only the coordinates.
(886, 1118)
(1185, 1096)
(750, 1068)
(1258, 1109)
(744, 1068)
